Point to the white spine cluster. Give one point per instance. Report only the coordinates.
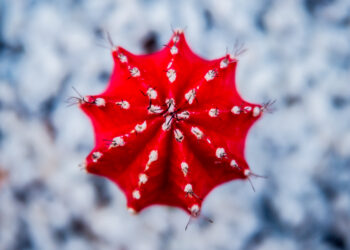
(236, 110)
(174, 50)
(143, 178)
(96, 155)
(224, 63)
(194, 210)
(134, 72)
(136, 194)
(233, 164)
(190, 96)
(153, 156)
(188, 188)
(117, 141)
(184, 168)
(184, 115)
(213, 112)
(100, 102)
(123, 104)
(256, 111)
(171, 105)
(122, 58)
(197, 132)
(210, 75)
(171, 74)
(155, 109)
(167, 124)
(152, 93)
(220, 153)
(178, 135)
(247, 109)
(141, 127)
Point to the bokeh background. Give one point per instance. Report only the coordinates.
(298, 54)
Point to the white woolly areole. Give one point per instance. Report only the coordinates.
(178, 135)
(171, 105)
(247, 108)
(141, 127)
(213, 112)
(224, 63)
(153, 156)
(100, 102)
(184, 168)
(136, 194)
(236, 110)
(188, 188)
(134, 72)
(184, 115)
(118, 141)
(247, 172)
(233, 164)
(174, 50)
(167, 124)
(220, 153)
(143, 178)
(96, 155)
(122, 58)
(194, 210)
(155, 109)
(171, 74)
(152, 94)
(256, 111)
(197, 132)
(123, 104)
(190, 95)
(210, 75)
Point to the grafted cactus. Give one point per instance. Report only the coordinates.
(170, 126)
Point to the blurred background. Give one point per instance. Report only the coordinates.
(298, 54)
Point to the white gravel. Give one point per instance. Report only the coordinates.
(298, 54)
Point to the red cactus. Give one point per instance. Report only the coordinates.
(170, 126)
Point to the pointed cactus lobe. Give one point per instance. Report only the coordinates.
(170, 126)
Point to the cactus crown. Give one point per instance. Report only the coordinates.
(170, 126)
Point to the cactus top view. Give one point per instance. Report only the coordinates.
(170, 126)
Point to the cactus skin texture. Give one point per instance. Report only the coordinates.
(170, 126)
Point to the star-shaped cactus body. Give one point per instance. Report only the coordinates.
(170, 126)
